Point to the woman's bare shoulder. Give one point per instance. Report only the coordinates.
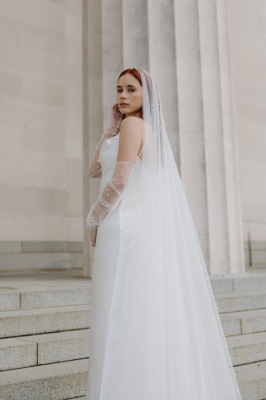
(132, 123)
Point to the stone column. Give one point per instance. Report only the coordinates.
(92, 110)
(213, 139)
(225, 240)
(162, 64)
(190, 109)
(234, 216)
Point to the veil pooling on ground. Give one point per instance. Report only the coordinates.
(165, 340)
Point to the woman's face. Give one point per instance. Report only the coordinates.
(129, 95)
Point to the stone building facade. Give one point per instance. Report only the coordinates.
(59, 62)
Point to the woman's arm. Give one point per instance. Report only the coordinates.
(95, 170)
(131, 137)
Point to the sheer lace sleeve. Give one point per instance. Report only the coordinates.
(95, 170)
(111, 195)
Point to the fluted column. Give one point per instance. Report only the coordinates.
(219, 137)
(124, 44)
(92, 111)
(213, 138)
(162, 64)
(190, 110)
(234, 210)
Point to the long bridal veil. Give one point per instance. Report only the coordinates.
(165, 339)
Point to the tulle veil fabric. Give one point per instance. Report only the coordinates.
(165, 339)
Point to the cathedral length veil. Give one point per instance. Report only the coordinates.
(165, 339)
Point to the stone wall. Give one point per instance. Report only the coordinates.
(40, 255)
(40, 120)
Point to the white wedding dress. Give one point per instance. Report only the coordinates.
(155, 329)
(111, 244)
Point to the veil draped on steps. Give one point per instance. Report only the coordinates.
(165, 339)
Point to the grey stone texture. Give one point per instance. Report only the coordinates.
(243, 284)
(251, 321)
(39, 297)
(50, 246)
(48, 348)
(252, 380)
(32, 261)
(54, 298)
(9, 299)
(240, 301)
(24, 261)
(220, 285)
(23, 255)
(64, 346)
(58, 381)
(245, 349)
(30, 322)
(9, 246)
(231, 325)
(17, 353)
(238, 283)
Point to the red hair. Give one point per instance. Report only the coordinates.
(133, 71)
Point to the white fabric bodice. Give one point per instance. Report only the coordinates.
(108, 158)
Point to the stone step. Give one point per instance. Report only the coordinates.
(15, 299)
(49, 348)
(67, 346)
(251, 379)
(237, 283)
(17, 353)
(68, 380)
(12, 298)
(241, 301)
(58, 319)
(243, 322)
(60, 381)
(9, 299)
(31, 322)
(247, 349)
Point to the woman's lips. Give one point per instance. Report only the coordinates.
(123, 104)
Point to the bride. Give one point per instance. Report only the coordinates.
(155, 329)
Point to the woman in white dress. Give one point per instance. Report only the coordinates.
(155, 329)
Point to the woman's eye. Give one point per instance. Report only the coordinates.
(130, 90)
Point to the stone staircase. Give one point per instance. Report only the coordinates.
(44, 342)
(44, 337)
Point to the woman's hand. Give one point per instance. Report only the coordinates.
(116, 117)
(92, 236)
